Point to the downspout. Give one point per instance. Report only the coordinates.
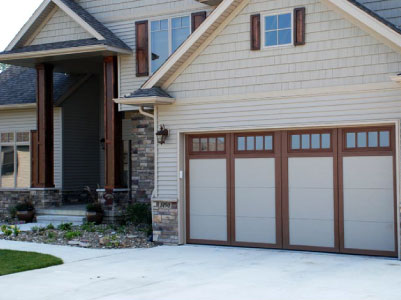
(155, 125)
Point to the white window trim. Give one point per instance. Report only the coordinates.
(15, 144)
(263, 31)
(170, 34)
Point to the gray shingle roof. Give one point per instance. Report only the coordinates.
(153, 92)
(386, 11)
(18, 85)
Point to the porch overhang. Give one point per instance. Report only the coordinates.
(145, 101)
(146, 97)
(32, 58)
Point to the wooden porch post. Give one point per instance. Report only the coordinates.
(43, 173)
(112, 127)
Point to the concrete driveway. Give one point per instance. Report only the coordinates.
(202, 272)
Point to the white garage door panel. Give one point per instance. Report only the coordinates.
(369, 236)
(310, 172)
(208, 199)
(255, 200)
(316, 202)
(311, 201)
(368, 172)
(208, 228)
(318, 233)
(249, 230)
(368, 203)
(257, 203)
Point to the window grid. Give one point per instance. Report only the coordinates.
(278, 26)
(367, 139)
(310, 141)
(168, 26)
(208, 144)
(21, 141)
(254, 143)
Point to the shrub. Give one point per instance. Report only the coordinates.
(94, 207)
(89, 227)
(139, 213)
(51, 235)
(72, 235)
(65, 226)
(26, 206)
(50, 227)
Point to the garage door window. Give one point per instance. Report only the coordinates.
(208, 144)
(310, 142)
(254, 143)
(368, 140)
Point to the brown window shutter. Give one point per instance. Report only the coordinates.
(197, 19)
(142, 48)
(255, 32)
(299, 26)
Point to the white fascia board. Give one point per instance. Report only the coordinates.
(28, 25)
(366, 22)
(145, 101)
(78, 19)
(192, 39)
(64, 51)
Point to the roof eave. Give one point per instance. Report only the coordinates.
(5, 58)
(148, 101)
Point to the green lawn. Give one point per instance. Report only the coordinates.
(19, 261)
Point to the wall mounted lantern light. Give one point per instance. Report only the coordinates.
(162, 135)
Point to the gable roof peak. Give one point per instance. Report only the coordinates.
(73, 10)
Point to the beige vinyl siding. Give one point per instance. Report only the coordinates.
(358, 104)
(336, 53)
(60, 28)
(25, 120)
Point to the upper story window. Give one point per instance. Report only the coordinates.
(278, 30)
(166, 36)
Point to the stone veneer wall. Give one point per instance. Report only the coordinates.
(142, 156)
(39, 198)
(165, 222)
(114, 204)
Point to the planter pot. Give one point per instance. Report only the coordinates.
(26, 216)
(94, 217)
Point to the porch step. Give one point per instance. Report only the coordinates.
(59, 219)
(74, 214)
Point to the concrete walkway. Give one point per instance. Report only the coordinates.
(202, 272)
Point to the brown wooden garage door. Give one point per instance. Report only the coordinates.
(322, 190)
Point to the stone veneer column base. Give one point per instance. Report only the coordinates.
(40, 198)
(165, 221)
(114, 204)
